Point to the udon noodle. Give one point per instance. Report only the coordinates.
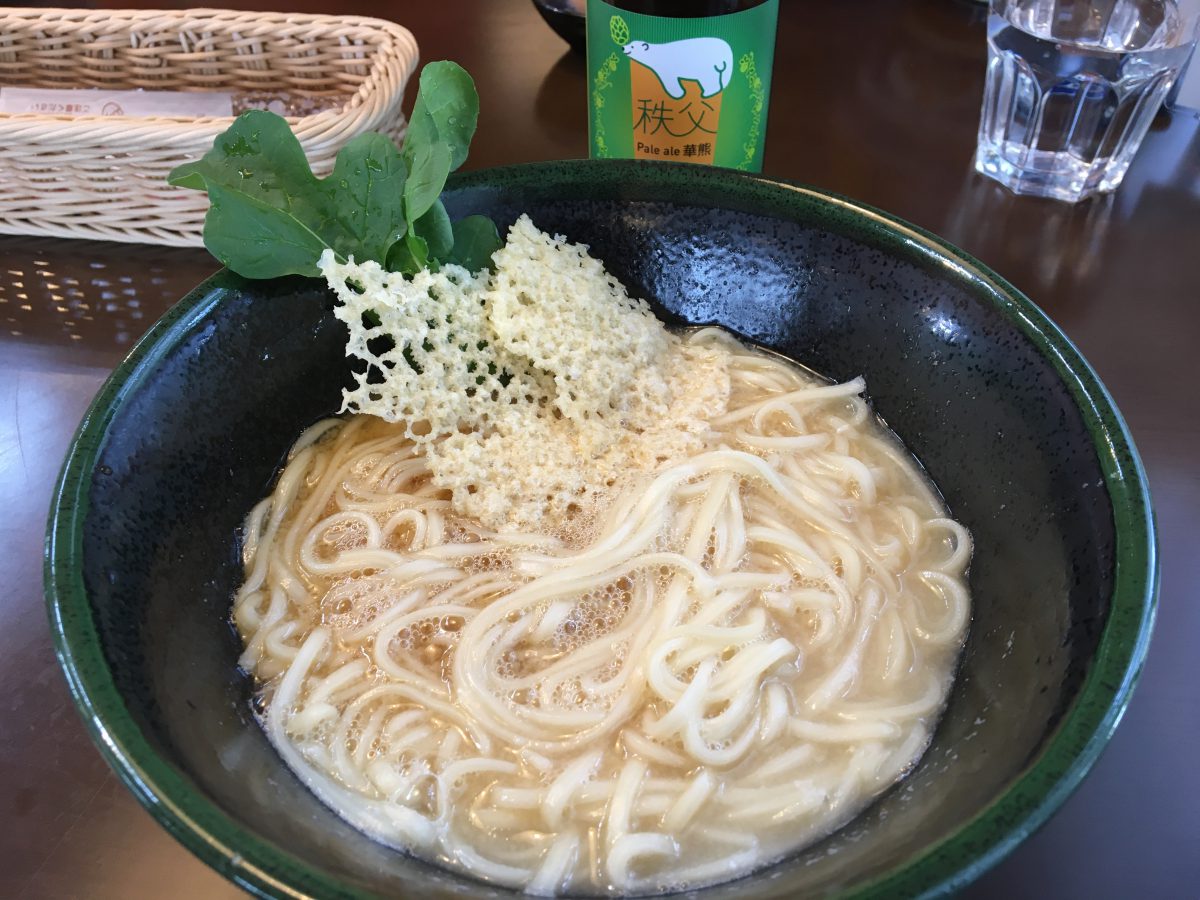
(726, 662)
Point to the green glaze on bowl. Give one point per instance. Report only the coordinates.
(1010, 421)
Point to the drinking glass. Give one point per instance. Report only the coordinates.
(1072, 87)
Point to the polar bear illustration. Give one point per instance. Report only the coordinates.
(706, 60)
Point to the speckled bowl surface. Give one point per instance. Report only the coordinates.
(1011, 423)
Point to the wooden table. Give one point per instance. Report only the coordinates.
(876, 99)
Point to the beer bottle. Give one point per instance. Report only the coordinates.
(680, 80)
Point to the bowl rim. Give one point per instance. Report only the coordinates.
(264, 868)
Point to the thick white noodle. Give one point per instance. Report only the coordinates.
(728, 661)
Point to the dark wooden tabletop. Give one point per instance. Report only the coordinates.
(875, 99)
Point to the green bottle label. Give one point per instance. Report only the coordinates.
(681, 90)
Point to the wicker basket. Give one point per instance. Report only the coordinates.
(105, 177)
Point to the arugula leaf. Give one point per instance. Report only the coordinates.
(270, 216)
(447, 110)
(429, 169)
(409, 256)
(469, 242)
(439, 132)
(475, 240)
(263, 193)
(256, 239)
(364, 190)
(435, 228)
(261, 190)
(258, 155)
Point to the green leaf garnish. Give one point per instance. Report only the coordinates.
(409, 256)
(270, 216)
(429, 169)
(364, 188)
(446, 110)
(475, 240)
(256, 239)
(435, 229)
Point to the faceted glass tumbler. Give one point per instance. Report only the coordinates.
(1072, 88)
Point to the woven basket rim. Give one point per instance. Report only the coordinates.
(105, 177)
(191, 13)
(184, 130)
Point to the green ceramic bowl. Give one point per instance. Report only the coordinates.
(1012, 424)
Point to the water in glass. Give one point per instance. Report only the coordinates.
(1072, 88)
